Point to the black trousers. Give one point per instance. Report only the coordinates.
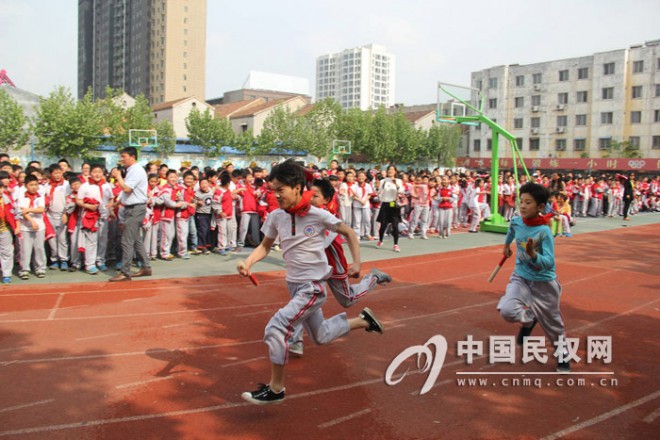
(203, 223)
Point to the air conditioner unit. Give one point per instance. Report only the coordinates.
(535, 108)
(537, 87)
(535, 131)
(560, 107)
(560, 130)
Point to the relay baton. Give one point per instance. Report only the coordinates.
(253, 279)
(497, 268)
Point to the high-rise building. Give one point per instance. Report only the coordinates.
(152, 47)
(575, 107)
(362, 77)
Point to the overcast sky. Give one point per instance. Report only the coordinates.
(432, 39)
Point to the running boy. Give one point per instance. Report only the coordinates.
(301, 228)
(533, 292)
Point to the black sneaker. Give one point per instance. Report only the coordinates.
(563, 367)
(525, 332)
(381, 277)
(263, 396)
(374, 323)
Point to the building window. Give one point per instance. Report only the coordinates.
(562, 121)
(656, 143)
(605, 143)
(519, 141)
(536, 100)
(492, 83)
(608, 93)
(636, 117)
(656, 117)
(562, 98)
(479, 84)
(581, 120)
(579, 144)
(536, 78)
(634, 142)
(519, 102)
(489, 144)
(518, 123)
(520, 80)
(608, 69)
(657, 90)
(535, 122)
(637, 92)
(534, 144)
(560, 144)
(638, 66)
(582, 96)
(583, 73)
(563, 75)
(492, 103)
(606, 117)
(477, 145)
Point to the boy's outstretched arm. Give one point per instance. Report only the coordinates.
(353, 246)
(258, 254)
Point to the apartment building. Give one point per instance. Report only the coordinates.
(575, 107)
(152, 47)
(362, 77)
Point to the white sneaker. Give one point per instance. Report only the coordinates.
(296, 348)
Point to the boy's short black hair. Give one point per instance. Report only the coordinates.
(327, 190)
(152, 176)
(225, 178)
(289, 173)
(131, 151)
(211, 173)
(70, 174)
(538, 192)
(189, 173)
(163, 165)
(258, 182)
(171, 172)
(237, 173)
(73, 180)
(31, 178)
(4, 175)
(95, 166)
(333, 178)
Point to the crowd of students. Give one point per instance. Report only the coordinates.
(56, 218)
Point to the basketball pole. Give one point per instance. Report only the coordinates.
(496, 223)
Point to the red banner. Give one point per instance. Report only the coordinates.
(619, 164)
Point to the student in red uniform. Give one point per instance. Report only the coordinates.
(171, 199)
(151, 222)
(346, 294)
(184, 213)
(223, 208)
(7, 229)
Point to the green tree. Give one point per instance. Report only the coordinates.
(410, 142)
(66, 128)
(246, 142)
(208, 132)
(442, 142)
(382, 141)
(280, 132)
(624, 149)
(166, 138)
(14, 129)
(319, 127)
(354, 125)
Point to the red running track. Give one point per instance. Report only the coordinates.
(168, 359)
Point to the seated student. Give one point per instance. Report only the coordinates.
(346, 294)
(32, 237)
(7, 229)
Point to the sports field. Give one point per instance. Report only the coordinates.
(168, 358)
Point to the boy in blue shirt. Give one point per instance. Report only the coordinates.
(533, 292)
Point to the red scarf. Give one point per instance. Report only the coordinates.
(32, 197)
(53, 185)
(540, 220)
(302, 208)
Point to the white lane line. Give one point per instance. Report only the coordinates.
(133, 315)
(182, 324)
(26, 405)
(130, 353)
(602, 417)
(344, 419)
(609, 318)
(260, 312)
(14, 348)
(53, 311)
(651, 417)
(97, 337)
(247, 361)
(144, 382)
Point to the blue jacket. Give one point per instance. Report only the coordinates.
(543, 267)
